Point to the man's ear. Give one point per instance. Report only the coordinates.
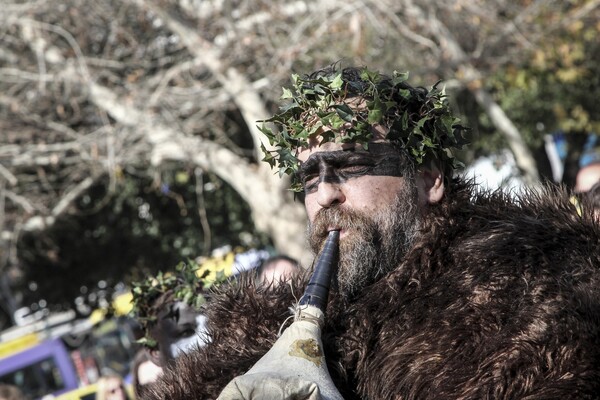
(430, 185)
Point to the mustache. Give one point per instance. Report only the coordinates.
(334, 217)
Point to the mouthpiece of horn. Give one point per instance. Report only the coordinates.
(317, 291)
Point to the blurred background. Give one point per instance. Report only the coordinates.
(129, 139)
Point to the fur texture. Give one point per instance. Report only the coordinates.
(498, 299)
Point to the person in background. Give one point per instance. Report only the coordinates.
(277, 269)
(587, 177)
(168, 307)
(11, 392)
(143, 371)
(179, 327)
(111, 387)
(591, 200)
(586, 190)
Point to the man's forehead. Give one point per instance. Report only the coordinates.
(378, 147)
(305, 153)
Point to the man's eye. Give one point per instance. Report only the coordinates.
(355, 169)
(187, 332)
(310, 178)
(310, 181)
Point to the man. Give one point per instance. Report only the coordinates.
(168, 308)
(143, 371)
(111, 387)
(179, 328)
(276, 269)
(587, 189)
(441, 292)
(591, 200)
(11, 392)
(587, 177)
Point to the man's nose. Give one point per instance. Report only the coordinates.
(330, 194)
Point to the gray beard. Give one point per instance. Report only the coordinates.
(374, 245)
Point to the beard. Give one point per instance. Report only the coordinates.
(373, 245)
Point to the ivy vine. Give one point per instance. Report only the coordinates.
(343, 107)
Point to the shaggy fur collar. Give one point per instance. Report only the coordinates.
(498, 299)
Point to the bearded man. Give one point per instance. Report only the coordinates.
(441, 292)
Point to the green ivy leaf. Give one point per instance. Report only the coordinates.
(427, 129)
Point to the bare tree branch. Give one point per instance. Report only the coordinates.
(91, 88)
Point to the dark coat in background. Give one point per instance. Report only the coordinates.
(499, 299)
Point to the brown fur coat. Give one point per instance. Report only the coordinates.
(498, 300)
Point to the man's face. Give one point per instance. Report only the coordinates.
(587, 177)
(368, 197)
(277, 272)
(114, 390)
(179, 328)
(148, 372)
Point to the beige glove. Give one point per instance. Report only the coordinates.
(270, 386)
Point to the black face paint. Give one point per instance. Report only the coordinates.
(177, 322)
(381, 159)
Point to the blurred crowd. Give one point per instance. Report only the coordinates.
(169, 308)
